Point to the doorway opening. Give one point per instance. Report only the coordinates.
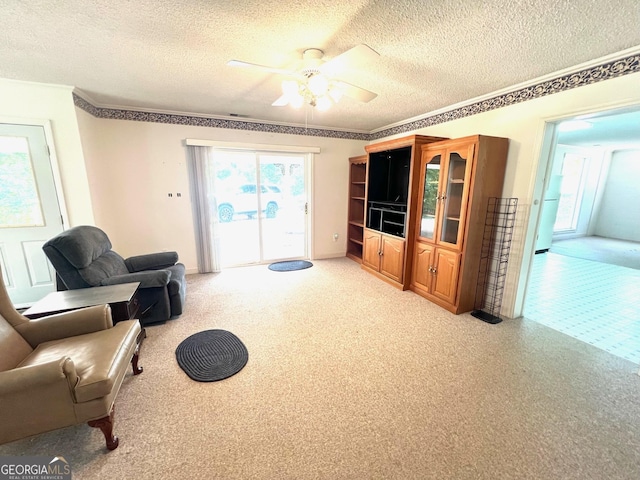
(259, 206)
(585, 275)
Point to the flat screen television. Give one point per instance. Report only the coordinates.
(388, 190)
(389, 176)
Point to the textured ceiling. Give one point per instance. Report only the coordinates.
(171, 55)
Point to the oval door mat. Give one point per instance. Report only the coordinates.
(290, 265)
(211, 355)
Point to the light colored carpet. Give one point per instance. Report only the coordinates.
(349, 378)
(600, 249)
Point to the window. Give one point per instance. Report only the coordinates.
(571, 188)
(19, 198)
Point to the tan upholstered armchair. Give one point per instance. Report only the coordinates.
(62, 370)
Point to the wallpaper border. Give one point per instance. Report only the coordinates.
(598, 73)
(198, 121)
(606, 71)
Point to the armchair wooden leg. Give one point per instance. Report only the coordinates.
(106, 425)
(134, 363)
(136, 356)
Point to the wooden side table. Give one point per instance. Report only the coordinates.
(122, 299)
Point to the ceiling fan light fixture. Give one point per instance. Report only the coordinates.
(323, 103)
(315, 82)
(318, 84)
(315, 91)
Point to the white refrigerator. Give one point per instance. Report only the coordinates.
(549, 212)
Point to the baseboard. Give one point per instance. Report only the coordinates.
(326, 256)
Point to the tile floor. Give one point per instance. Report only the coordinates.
(597, 303)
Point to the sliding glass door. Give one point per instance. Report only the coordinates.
(259, 204)
(284, 193)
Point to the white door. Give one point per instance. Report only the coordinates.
(550, 205)
(283, 197)
(29, 213)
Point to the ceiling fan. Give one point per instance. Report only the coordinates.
(315, 82)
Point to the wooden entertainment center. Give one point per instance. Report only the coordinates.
(416, 212)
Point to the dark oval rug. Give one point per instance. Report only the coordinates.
(290, 265)
(212, 355)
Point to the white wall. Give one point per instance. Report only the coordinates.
(524, 125)
(22, 101)
(618, 213)
(132, 166)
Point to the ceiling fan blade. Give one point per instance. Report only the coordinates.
(353, 58)
(281, 102)
(280, 71)
(357, 93)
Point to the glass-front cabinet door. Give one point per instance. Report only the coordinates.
(454, 195)
(429, 182)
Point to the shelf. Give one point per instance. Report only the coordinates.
(357, 193)
(457, 181)
(387, 218)
(395, 206)
(453, 219)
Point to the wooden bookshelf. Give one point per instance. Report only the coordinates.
(357, 202)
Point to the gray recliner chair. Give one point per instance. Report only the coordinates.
(82, 258)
